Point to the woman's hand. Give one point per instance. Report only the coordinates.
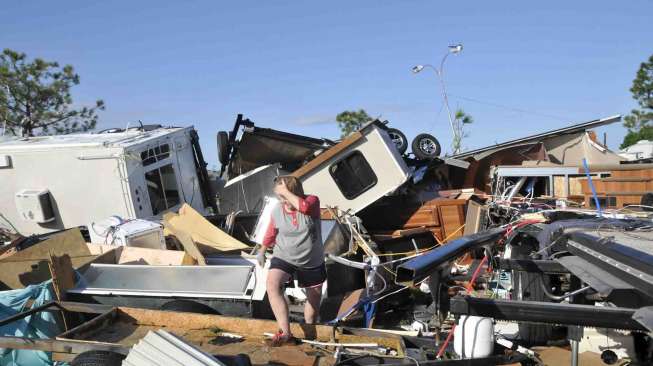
(286, 196)
(260, 256)
(280, 189)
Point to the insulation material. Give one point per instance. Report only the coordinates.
(209, 238)
(163, 348)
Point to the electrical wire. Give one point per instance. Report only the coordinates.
(9, 222)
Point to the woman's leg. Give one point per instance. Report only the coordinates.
(312, 306)
(276, 278)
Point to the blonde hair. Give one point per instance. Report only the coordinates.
(293, 184)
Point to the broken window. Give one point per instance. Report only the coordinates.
(162, 188)
(158, 153)
(353, 175)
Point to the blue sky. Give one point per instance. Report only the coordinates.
(526, 66)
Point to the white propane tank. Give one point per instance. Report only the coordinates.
(478, 334)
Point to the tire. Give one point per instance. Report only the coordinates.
(98, 358)
(188, 306)
(526, 287)
(426, 147)
(647, 200)
(400, 140)
(223, 147)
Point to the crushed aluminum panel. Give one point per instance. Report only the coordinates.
(603, 282)
(229, 282)
(163, 348)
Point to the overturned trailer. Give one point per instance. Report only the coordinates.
(51, 183)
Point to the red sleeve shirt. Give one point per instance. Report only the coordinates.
(309, 205)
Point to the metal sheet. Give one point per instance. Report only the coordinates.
(603, 282)
(547, 312)
(178, 281)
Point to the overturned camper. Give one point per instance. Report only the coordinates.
(294, 232)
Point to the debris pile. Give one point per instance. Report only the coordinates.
(511, 253)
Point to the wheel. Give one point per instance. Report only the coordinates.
(399, 139)
(223, 142)
(98, 358)
(188, 306)
(647, 200)
(426, 147)
(526, 287)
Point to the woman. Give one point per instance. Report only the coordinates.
(295, 234)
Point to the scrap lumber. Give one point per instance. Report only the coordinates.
(63, 278)
(30, 266)
(208, 238)
(63, 274)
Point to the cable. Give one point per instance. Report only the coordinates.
(520, 110)
(9, 222)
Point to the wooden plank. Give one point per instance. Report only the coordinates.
(59, 345)
(626, 179)
(80, 307)
(63, 279)
(63, 275)
(323, 157)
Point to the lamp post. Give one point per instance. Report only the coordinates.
(453, 49)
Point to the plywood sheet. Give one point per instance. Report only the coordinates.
(30, 266)
(452, 220)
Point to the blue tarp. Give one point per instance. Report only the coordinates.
(40, 325)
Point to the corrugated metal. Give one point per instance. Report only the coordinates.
(163, 348)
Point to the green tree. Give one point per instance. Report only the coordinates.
(351, 121)
(461, 119)
(35, 97)
(638, 122)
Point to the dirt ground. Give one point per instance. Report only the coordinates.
(557, 356)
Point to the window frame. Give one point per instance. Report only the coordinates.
(157, 165)
(344, 159)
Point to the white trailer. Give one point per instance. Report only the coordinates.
(356, 172)
(49, 183)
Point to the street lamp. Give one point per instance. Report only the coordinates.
(453, 49)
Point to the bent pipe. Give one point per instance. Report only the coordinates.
(417, 269)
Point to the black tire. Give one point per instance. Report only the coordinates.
(188, 306)
(223, 147)
(98, 358)
(526, 287)
(426, 147)
(647, 200)
(400, 140)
